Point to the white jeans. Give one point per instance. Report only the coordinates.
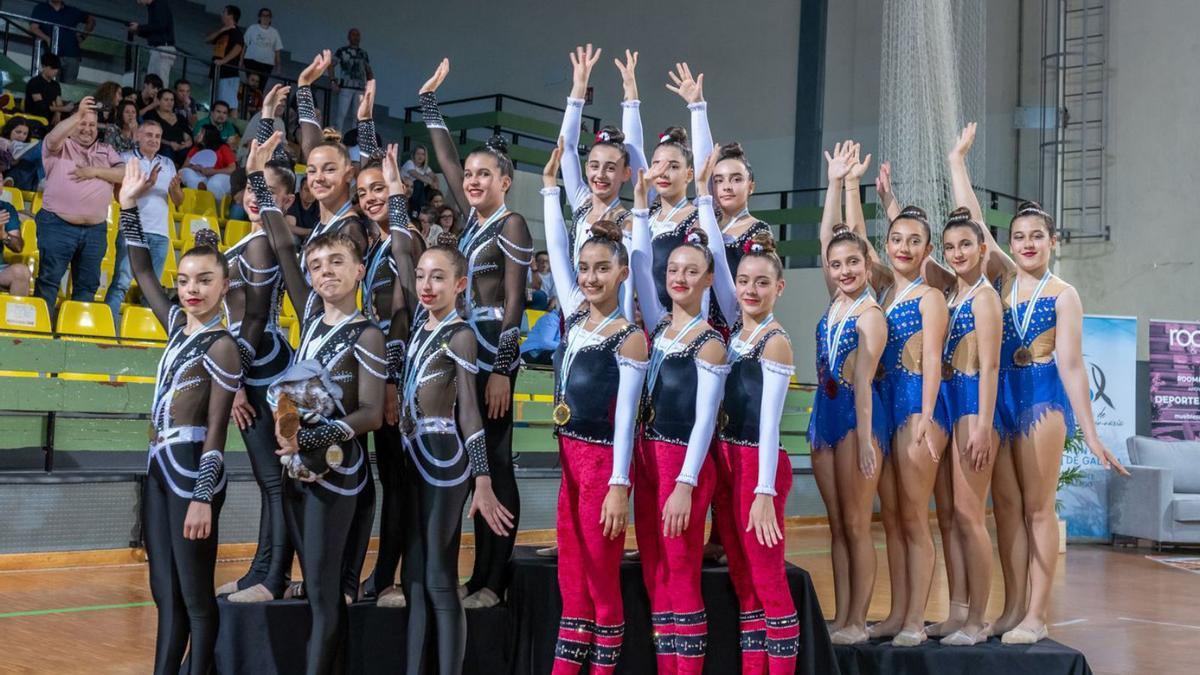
(227, 91)
(347, 103)
(160, 62)
(217, 184)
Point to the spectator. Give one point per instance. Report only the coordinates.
(186, 106)
(227, 45)
(353, 69)
(107, 96)
(159, 32)
(14, 139)
(436, 200)
(53, 13)
(209, 164)
(147, 100)
(14, 279)
(152, 208)
(219, 118)
(237, 187)
(417, 171)
(243, 148)
(43, 95)
(446, 217)
(305, 213)
(262, 48)
(122, 133)
(173, 129)
(71, 227)
(541, 269)
(542, 340)
(250, 96)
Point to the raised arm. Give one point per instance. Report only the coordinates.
(404, 254)
(566, 287)
(278, 232)
(274, 103)
(691, 90)
(367, 146)
(641, 255)
(516, 243)
(260, 270)
(54, 140)
(310, 126)
(631, 112)
(136, 182)
(999, 264)
(444, 147)
(583, 59)
(884, 192)
(723, 277)
(838, 167)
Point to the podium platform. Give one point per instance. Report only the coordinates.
(990, 658)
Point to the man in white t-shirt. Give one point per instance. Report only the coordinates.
(153, 211)
(263, 45)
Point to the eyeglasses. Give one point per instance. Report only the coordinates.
(448, 216)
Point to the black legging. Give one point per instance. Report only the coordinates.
(320, 521)
(181, 578)
(493, 552)
(389, 460)
(272, 563)
(433, 521)
(360, 532)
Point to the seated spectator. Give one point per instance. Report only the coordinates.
(430, 230)
(24, 170)
(121, 134)
(108, 95)
(147, 99)
(219, 118)
(446, 218)
(43, 94)
(435, 199)
(543, 278)
(185, 106)
(418, 172)
(152, 207)
(15, 278)
(542, 340)
(305, 213)
(237, 189)
(176, 139)
(209, 164)
(72, 228)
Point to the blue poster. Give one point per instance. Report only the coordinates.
(1110, 358)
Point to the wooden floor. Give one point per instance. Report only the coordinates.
(1126, 613)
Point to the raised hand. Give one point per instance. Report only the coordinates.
(134, 185)
(391, 172)
(689, 89)
(366, 107)
(962, 145)
(628, 70)
(260, 153)
(583, 59)
(839, 161)
(313, 71)
(276, 98)
(858, 167)
(438, 77)
(87, 104)
(550, 172)
(706, 171)
(883, 185)
(641, 188)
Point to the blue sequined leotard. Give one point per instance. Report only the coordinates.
(1028, 393)
(833, 417)
(960, 394)
(900, 388)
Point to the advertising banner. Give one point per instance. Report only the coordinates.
(1175, 379)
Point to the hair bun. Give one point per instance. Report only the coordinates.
(696, 236)
(761, 243)
(497, 144)
(840, 228)
(914, 212)
(674, 134)
(207, 238)
(960, 215)
(607, 230)
(732, 151)
(330, 135)
(1031, 208)
(447, 240)
(610, 135)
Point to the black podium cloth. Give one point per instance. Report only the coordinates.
(537, 606)
(990, 658)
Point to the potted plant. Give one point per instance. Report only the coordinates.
(1066, 478)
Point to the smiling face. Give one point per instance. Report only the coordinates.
(438, 281)
(85, 132)
(1031, 243)
(283, 196)
(907, 245)
(732, 185)
(758, 285)
(688, 275)
(676, 172)
(201, 283)
(335, 271)
(483, 182)
(600, 273)
(847, 266)
(149, 138)
(963, 249)
(606, 171)
(328, 173)
(372, 194)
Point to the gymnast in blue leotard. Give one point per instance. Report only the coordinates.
(1042, 394)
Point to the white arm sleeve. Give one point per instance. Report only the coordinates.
(631, 126)
(642, 269)
(627, 301)
(572, 172)
(629, 395)
(710, 389)
(702, 142)
(775, 387)
(723, 283)
(561, 270)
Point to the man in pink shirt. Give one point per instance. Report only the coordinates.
(72, 225)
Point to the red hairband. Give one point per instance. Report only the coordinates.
(752, 246)
(603, 137)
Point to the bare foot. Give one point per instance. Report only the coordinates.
(256, 593)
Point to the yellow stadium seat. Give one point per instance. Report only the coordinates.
(532, 316)
(169, 263)
(236, 230)
(223, 210)
(294, 335)
(37, 203)
(199, 202)
(139, 323)
(168, 278)
(189, 224)
(29, 240)
(300, 170)
(13, 196)
(288, 309)
(85, 320)
(23, 314)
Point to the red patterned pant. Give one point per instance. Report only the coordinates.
(589, 564)
(770, 632)
(671, 566)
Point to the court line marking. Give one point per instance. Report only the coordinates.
(1158, 623)
(70, 610)
(1072, 622)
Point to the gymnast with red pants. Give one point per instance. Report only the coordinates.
(751, 488)
(674, 476)
(595, 416)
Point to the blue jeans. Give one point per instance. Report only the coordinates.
(159, 247)
(61, 244)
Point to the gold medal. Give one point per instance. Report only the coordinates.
(947, 370)
(334, 455)
(1022, 357)
(562, 413)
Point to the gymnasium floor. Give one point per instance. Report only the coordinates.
(1126, 613)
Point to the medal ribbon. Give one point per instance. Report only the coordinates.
(732, 354)
(660, 355)
(954, 315)
(576, 343)
(1021, 323)
(903, 294)
(469, 240)
(833, 339)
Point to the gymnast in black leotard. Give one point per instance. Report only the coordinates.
(185, 485)
(345, 351)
